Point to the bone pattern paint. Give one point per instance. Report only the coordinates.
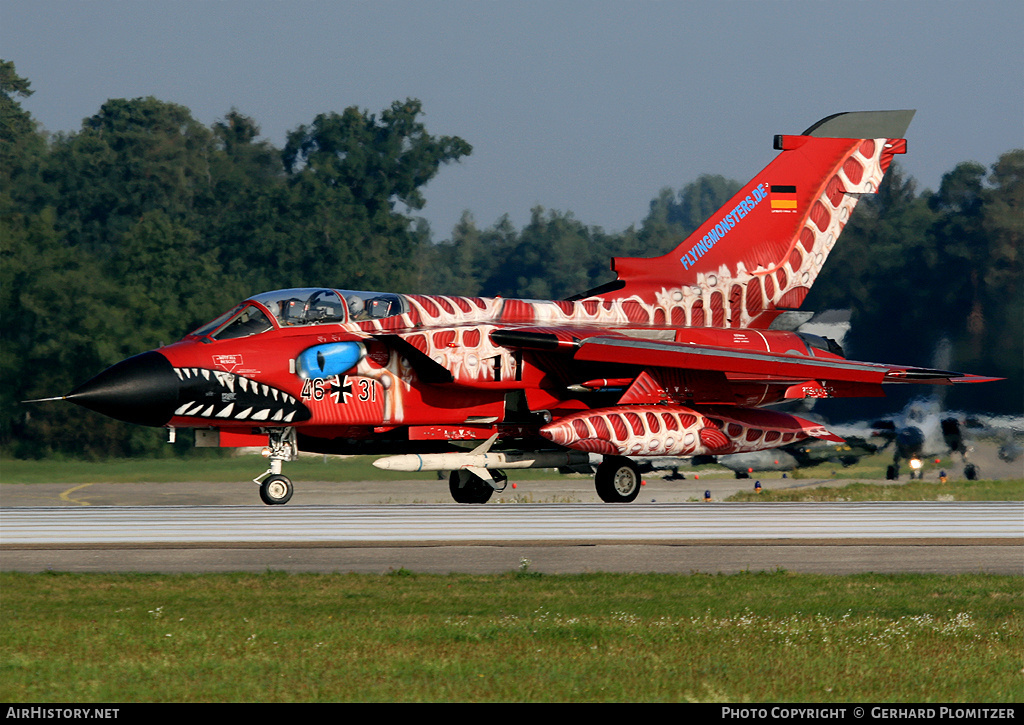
(463, 345)
(648, 430)
(469, 353)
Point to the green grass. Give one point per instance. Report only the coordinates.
(1001, 490)
(869, 467)
(514, 637)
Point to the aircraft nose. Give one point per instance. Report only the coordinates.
(910, 440)
(142, 389)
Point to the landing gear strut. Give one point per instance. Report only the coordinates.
(276, 489)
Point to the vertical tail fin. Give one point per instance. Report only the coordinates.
(761, 252)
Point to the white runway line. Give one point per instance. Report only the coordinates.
(444, 523)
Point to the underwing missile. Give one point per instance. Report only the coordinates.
(412, 462)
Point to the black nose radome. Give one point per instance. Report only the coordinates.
(142, 389)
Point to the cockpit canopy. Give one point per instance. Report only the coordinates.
(300, 307)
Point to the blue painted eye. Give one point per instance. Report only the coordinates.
(324, 361)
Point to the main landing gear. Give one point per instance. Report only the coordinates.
(892, 472)
(276, 489)
(617, 480)
(467, 487)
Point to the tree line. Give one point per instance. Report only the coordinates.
(144, 223)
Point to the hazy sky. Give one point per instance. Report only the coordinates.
(589, 107)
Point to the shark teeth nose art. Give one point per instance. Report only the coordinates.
(225, 396)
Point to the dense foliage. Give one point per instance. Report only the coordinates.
(144, 223)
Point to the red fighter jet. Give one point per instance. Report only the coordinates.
(676, 357)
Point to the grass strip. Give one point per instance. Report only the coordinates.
(1001, 490)
(521, 636)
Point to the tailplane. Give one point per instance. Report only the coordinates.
(761, 252)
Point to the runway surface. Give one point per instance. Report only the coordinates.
(575, 524)
(945, 537)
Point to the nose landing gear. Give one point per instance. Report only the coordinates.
(276, 489)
